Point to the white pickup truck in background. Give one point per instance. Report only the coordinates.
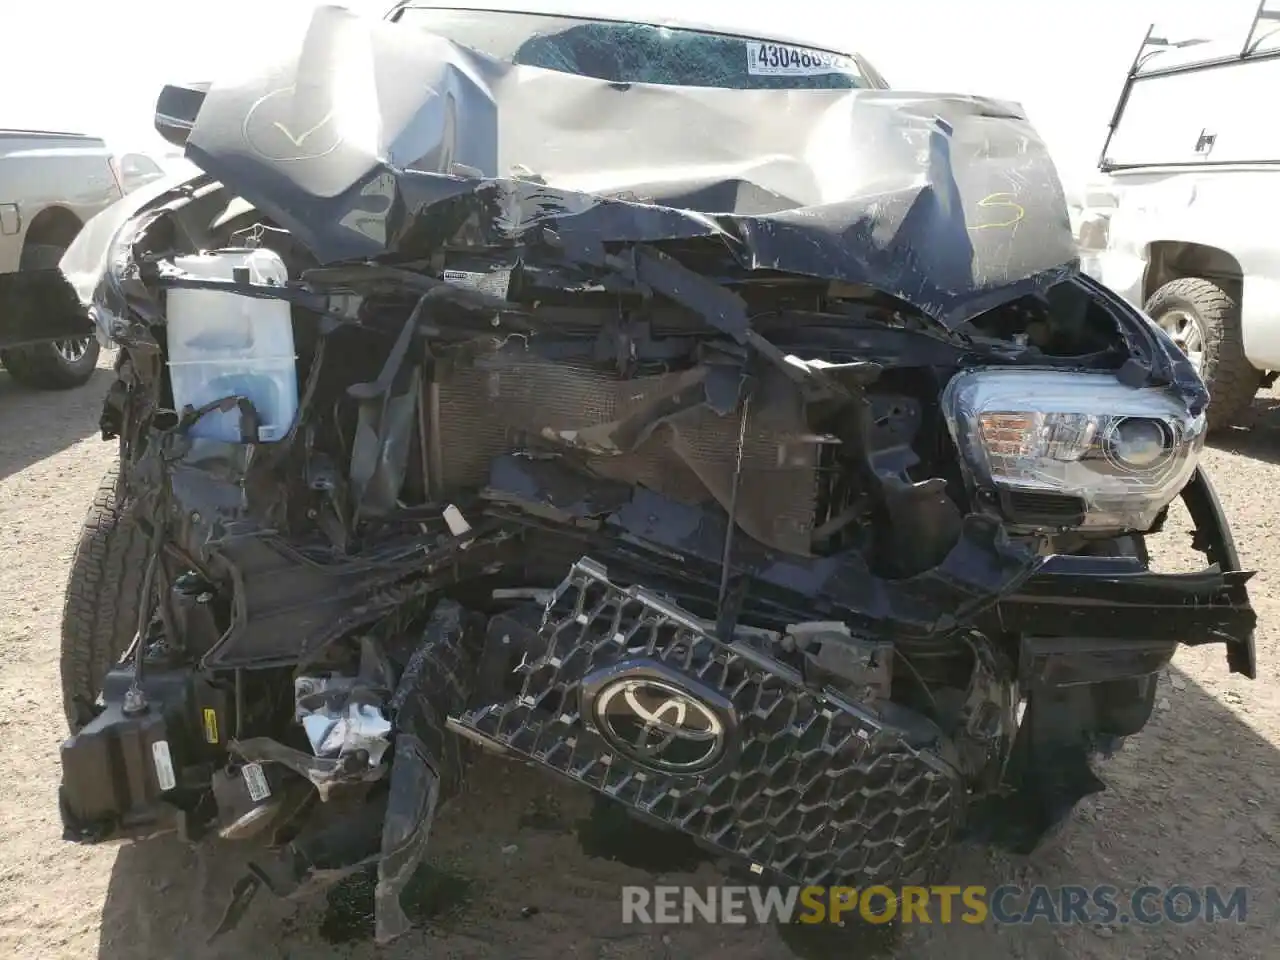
(1183, 222)
(50, 185)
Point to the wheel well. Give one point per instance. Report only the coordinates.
(1174, 259)
(52, 227)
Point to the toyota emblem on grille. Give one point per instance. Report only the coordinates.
(659, 725)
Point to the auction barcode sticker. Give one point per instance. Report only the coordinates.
(165, 775)
(496, 283)
(781, 60)
(256, 781)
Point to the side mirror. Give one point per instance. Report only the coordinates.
(176, 110)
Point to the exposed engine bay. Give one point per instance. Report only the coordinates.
(812, 529)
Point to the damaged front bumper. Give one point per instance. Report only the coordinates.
(782, 749)
(1132, 618)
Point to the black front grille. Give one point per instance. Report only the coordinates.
(813, 788)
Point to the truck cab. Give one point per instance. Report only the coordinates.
(1180, 221)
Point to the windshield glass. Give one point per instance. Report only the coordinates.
(640, 53)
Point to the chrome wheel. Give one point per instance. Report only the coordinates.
(1185, 329)
(72, 351)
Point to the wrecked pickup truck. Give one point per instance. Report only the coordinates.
(752, 453)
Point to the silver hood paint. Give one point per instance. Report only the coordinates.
(950, 203)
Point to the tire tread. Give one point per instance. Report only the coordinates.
(1231, 379)
(99, 614)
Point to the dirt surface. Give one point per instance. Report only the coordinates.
(1191, 800)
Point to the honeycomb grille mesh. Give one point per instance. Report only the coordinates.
(821, 792)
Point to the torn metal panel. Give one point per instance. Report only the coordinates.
(344, 716)
(324, 773)
(983, 566)
(542, 487)
(437, 681)
(317, 859)
(380, 449)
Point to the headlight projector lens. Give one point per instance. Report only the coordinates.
(1123, 452)
(1138, 443)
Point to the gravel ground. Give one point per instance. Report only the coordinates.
(1191, 800)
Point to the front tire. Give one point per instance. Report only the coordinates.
(1204, 321)
(100, 612)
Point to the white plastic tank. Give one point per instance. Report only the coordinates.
(224, 344)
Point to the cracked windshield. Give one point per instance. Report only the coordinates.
(640, 53)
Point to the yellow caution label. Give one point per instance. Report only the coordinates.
(211, 724)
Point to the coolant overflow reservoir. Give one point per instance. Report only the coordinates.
(223, 344)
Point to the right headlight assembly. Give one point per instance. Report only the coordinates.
(1069, 449)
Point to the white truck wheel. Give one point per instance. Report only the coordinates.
(1204, 321)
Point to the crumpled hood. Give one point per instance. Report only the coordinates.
(950, 203)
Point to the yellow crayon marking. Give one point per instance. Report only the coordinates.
(997, 200)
